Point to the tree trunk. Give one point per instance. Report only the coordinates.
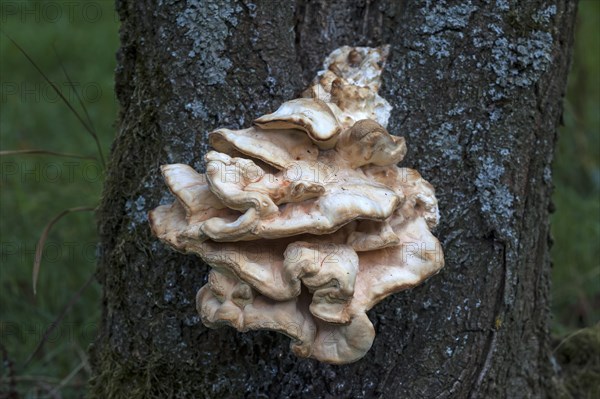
(477, 91)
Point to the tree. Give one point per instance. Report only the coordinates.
(477, 91)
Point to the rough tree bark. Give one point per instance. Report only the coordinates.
(477, 91)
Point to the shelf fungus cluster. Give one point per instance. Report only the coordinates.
(304, 218)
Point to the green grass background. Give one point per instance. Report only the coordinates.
(36, 188)
(576, 222)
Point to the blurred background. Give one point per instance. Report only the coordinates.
(81, 38)
(36, 188)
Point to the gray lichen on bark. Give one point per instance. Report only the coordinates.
(476, 88)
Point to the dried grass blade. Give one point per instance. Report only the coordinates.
(39, 249)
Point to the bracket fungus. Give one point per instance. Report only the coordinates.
(304, 218)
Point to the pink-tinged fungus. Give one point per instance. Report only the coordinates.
(304, 218)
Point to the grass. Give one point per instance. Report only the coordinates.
(576, 223)
(35, 188)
